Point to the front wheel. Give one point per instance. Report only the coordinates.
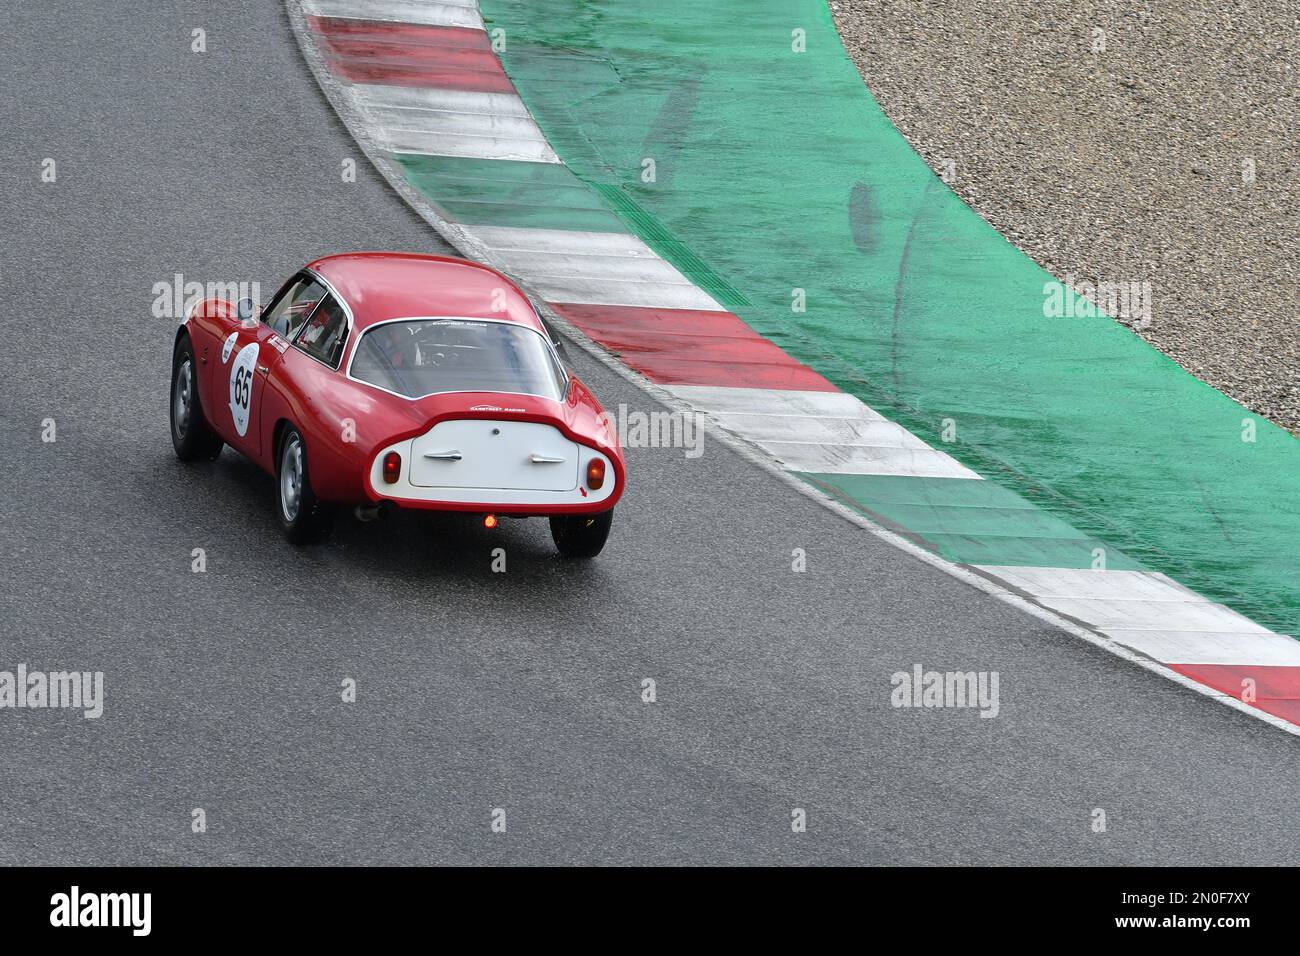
(581, 536)
(301, 513)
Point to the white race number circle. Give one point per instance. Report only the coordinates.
(241, 386)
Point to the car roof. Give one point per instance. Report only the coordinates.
(378, 286)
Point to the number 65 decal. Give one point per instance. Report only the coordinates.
(241, 386)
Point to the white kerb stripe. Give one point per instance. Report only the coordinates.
(1153, 614)
(424, 128)
(451, 134)
(806, 429)
(1103, 585)
(560, 241)
(924, 462)
(1136, 614)
(600, 291)
(1264, 649)
(590, 268)
(438, 13)
(830, 432)
(467, 146)
(380, 96)
(571, 265)
(720, 400)
(444, 123)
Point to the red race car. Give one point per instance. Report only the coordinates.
(375, 380)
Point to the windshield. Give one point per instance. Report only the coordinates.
(418, 357)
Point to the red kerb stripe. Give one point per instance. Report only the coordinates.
(406, 54)
(690, 347)
(1276, 688)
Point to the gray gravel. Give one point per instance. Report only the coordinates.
(1120, 165)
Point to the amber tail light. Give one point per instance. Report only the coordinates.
(595, 474)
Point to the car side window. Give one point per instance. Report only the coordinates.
(290, 310)
(325, 333)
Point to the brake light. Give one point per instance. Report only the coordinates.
(595, 474)
(489, 521)
(392, 467)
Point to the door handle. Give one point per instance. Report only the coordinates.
(264, 369)
(546, 460)
(452, 455)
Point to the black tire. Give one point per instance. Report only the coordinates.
(192, 438)
(302, 516)
(581, 536)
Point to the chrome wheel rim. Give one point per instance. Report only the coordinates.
(182, 398)
(291, 478)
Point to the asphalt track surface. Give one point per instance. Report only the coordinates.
(476, 690)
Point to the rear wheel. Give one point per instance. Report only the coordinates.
(191, 436)
(301, 513)
(581, 536)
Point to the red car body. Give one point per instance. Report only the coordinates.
(348, 426)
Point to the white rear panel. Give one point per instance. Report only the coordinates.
(487, 462)
(473, 453)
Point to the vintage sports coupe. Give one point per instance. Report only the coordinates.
(376, 381)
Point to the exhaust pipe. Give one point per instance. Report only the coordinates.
(372, 512)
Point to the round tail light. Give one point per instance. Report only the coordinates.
(595, 474)
(392, 467)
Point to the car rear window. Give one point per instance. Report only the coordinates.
(418, 357)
